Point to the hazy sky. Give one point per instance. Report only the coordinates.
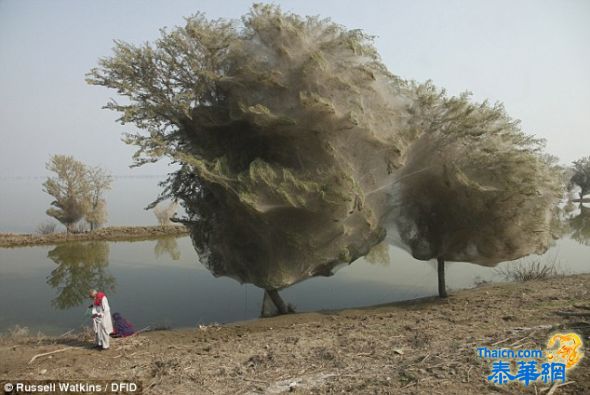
(532, 55)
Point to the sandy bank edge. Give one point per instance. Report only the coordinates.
(113, 233)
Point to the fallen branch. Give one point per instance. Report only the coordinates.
(136, 353)
(546, 326)
(67, 333)
(578, 325)
(556, 386)
(446, 364)
(500, 342)
(409, 385)
(519, 341)
(48, 353)
(572, 314)
(154, 383)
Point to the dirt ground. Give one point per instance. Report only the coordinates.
(426, 346)
(113, 233)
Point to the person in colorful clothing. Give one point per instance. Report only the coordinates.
(101, 318)
(122, 327)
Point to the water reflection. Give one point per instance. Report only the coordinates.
(167, 245)
(165, 283)
(560, 221)
(80, 267)
(580, 226)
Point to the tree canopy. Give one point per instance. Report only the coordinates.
(99, 181)
(299, 151)
(474, 187)
(78, 191)
(69, 188)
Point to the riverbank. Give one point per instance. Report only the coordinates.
(423, 346)
(113, 233)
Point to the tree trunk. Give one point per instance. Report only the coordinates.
(268, 308)
(442, 288)
(278, 301)
(272, 297)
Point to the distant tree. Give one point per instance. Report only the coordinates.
(100, 181)
(46, 228)
(70, 189)
(163, 214)
(78, 191)
(581, 176)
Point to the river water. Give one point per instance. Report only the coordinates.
(162, 284)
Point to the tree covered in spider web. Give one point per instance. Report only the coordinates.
(474, 186)
(299, 151)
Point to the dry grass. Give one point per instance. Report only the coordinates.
(23, 335)
(531, 270)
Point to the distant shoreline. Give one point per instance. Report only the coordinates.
(112, 233)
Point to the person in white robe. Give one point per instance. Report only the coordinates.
(101, 319)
